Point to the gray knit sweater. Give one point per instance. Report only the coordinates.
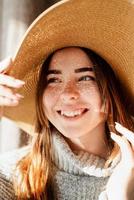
(76, 175)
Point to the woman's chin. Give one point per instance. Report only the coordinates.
(74, 133)
(78, 131)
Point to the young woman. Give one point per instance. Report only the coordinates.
(84, 139)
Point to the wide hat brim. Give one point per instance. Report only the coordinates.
(106, 27)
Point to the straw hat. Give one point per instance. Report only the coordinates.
(106, 27)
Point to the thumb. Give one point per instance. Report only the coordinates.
(5, 64)
(124, 146)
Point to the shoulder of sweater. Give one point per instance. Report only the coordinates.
(6, 188)
(8, 160)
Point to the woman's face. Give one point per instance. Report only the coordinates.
(71, 100)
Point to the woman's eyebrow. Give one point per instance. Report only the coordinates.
(82, 69)
(54, 71)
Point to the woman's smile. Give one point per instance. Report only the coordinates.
(72, 115)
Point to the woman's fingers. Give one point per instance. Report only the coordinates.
(122, 142)
(10, 81)
(7, 92)
(7, 83)
(8, 102)
(5, 64)
(124, 131)
(126, 142)
(8, 98)
(6, 80)
(125, 147)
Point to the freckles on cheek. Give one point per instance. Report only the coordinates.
(92, 95)
(50, 98)
(89, 91)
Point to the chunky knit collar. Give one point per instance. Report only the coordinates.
(81, 163)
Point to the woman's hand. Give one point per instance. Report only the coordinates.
(121, 183)
(7, 84)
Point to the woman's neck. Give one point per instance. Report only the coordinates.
(94, 142)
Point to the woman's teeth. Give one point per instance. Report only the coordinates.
(72, 113)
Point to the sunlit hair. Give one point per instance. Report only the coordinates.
(34, 170)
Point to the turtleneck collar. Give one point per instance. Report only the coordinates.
(82, 163)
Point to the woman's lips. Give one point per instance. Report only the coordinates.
(75, 114)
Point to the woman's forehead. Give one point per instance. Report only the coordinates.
(70, 57)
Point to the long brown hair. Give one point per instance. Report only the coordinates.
(34, 170)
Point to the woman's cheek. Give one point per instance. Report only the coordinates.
(50, 96)
(92, 96)
(91, 92)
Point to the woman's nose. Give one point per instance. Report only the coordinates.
(70, 92)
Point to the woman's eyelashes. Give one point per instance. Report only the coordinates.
(86, 78)
(53, 80)
(80, 79)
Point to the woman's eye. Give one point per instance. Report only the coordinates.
(87, 78)
(53, 80)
